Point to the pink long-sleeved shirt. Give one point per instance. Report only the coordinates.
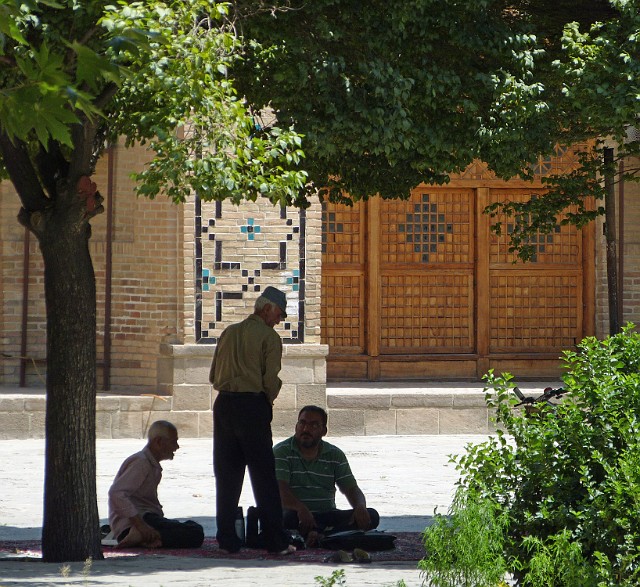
(134, 490)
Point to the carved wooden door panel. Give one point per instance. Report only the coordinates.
(534, 305)
(421, 289)
(344, 239)
(426, 273)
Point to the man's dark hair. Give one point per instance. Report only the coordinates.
(317, 410)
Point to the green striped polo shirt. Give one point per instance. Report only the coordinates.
(314, 482)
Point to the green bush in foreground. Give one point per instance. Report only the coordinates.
(465, 549)
(562, 485)
(338, 579)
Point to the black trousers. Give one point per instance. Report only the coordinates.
(333, 520)
(242, 439)
(174, 534)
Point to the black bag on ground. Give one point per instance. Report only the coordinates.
(348, 540)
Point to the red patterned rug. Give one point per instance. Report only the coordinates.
(408, 547)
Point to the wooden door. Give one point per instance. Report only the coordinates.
(344, 242)
(537, 309)
(421, 289)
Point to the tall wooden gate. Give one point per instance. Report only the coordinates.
(422, 289)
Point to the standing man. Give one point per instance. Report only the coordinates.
(135, 514)
(308, 470)
(245, 370)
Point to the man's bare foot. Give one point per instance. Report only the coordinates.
(134, 539)
(289, 550)
(313, 539)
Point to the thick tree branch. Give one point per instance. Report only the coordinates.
(52, 166)
(83, 136)
(107, 94)
(22, 174)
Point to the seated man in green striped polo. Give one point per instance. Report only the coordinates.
(308, 470)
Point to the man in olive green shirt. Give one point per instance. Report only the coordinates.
(245, 370)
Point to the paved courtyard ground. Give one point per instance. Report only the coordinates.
(405, 477)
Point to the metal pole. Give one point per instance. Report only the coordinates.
(610, 234)
(25, 308)
(621, 247)
(106, 373)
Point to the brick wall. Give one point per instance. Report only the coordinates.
(13, 288)
(145, 298)
(631, 250)
(154, 301)
(628, 219)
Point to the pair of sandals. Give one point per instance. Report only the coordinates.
(357, 556)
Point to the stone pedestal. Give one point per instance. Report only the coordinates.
(183, 374)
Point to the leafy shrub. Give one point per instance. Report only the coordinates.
(465, 548)
(336, 578)
(567, 478)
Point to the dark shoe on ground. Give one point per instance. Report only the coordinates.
(280, 544)
(297, 540)
(231, 546)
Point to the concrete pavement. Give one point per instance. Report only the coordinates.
(404, 477)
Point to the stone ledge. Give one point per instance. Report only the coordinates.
(206, 350)
(354, 409)
(305, 350)
(360, 400)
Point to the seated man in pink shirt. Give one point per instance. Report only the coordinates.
(135, 514)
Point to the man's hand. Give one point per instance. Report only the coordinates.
(361, 517)
(306, 520)
(358, 502)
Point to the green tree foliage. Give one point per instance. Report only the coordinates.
(590, 75)
(389, 96)
(565, 480)
(182, 82)
(152, 72)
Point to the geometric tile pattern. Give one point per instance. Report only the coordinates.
(428, 228)
(239, 251)
(562, 246)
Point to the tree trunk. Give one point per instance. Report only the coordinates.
(71, 522)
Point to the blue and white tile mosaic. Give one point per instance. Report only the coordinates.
(239, 251)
